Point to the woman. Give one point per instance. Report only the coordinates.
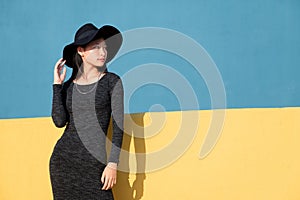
(79, 168)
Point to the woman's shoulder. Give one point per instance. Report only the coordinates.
(114, 80)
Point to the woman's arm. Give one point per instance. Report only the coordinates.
(117, 107)
(109, 175)
(59, 113)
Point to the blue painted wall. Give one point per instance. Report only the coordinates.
(255, 45)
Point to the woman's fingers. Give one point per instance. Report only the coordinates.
(108, 183)
(63, 74)
(60, 66)
(58, 63)
(59, 75)
(62, 63)
(108, 178)
(105, 183)
(103, 178)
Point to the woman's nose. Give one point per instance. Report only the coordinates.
(102, 51)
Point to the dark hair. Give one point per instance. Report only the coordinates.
(77, 60)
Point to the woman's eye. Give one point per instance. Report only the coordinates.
(99, 47)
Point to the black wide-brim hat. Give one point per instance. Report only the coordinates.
(88, 33)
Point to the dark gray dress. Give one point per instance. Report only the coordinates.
(79, 156)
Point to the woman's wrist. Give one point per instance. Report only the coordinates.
(112, 165)
(57, 83)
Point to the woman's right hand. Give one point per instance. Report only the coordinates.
(59, 75)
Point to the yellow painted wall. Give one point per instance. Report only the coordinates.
(256, 157)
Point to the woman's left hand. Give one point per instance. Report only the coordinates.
(109, 177)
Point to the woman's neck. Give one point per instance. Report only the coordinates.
(89, 71)
(87, 74)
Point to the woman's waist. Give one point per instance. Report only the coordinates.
(87, 127)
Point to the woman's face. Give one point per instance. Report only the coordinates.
(94, 53)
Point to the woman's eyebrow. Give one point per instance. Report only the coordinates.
(98, 43)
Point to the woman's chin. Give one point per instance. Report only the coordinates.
(100, 66)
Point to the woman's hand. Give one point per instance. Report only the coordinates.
(59, 75)
(109, 176)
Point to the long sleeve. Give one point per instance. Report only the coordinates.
(59, 113)
(117, 107)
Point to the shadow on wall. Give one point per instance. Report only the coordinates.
(131, 177)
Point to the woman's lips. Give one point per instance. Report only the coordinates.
(102, 59)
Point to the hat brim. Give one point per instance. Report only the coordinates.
(110, 34)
